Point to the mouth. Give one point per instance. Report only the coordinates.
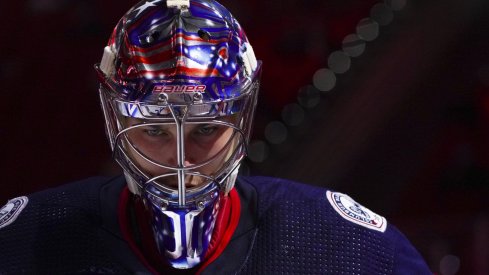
(190, 181)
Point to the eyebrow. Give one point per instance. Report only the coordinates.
(159, 126)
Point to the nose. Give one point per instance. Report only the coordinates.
(188, 156)
(188, 163)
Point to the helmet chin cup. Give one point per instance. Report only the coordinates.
(182, 234)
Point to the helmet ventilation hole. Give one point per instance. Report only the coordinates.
(204, 35)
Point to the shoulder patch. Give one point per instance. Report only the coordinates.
(354, 212)
(10, 212)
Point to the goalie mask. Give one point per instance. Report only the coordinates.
(179, 82)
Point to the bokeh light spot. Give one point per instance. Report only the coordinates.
(368, 29)
(449, 265)
(353, 45)
(324, 79)
(308, 96)
(293, 114)
(381, 14)
(339, 62)
(258, 151)
(395, 5)
(276, 132)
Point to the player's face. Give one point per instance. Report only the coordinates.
(203, 142)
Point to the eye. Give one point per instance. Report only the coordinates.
(153, 132)
(206, 129)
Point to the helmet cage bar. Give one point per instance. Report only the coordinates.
(153, 179)
(179, 121)
(109, 127)
(191, 167)
(250, 106)
(214, 179)
(165, 194)
(146, 183)
(164, 203)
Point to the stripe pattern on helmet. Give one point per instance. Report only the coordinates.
(203, 45)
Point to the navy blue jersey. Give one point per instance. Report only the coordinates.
(284, 228)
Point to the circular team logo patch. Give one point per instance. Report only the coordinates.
(11, 210)
(354, 212)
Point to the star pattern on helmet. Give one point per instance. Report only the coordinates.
(144, 6)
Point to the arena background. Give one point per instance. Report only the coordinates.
(386, 101)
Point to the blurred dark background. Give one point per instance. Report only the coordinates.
(387, 101)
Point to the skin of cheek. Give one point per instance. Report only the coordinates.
(217, 146)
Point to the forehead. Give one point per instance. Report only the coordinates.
(131, 121)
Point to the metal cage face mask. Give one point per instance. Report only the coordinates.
(180, 159)
(179, 83)
(184, 154)
(181, 149)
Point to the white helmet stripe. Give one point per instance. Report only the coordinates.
(107, 64)
(179, 4)
(249, 59)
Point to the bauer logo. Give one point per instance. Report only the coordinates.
(354, 212)
(179, 88)
(11, 210)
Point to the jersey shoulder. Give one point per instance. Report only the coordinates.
(308, 222)
(58, 229)
(276, 192)
(83, 195)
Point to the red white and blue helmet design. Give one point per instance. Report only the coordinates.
(179, 65)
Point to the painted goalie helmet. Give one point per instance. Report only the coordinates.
(178, 87)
